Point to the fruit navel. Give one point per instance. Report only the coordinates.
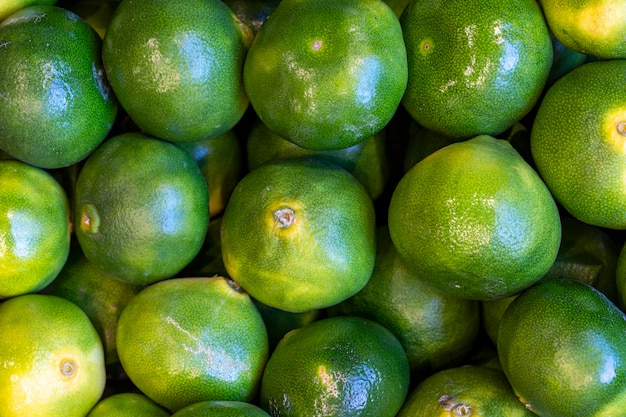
(621, 128)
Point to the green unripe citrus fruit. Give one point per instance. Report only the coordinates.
(475, 220)
(140, 208)
(175, 66)
(475, 67)
(327, 74)
(56, 105)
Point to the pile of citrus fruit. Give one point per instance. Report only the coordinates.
(312, 208)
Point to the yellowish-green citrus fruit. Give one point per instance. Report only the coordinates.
(186, 340)
(127, 404)
(475, 67)
(56, 105)
(327, 74)
(34, 228)
(577, 142)
(592, 27)
(8, 7)
(475, 220)
(367, 160)
(298, 234)
(52, 358)
(221, 409)
(101, 296)
(176, 66)
(561, 344)
(464, 391)
(221, 161)
(141, 208)
(336, 367)
(435, 329)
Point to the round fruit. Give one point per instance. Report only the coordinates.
(221, 409)
(141, 208)
(327, 74)
(51, 356)
(561, 344)
(367, 160)
(187, 340)
(435, 329)
(175, 66)
(101, 296)
(339, 366)
(56, 106)
(577, 142)
(475, 67)
(464, 391)
(34, 228)
(475, 220)
(592, 27)
(298, 234)
(128, 404)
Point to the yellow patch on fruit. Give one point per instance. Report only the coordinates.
(614, 124)
(600, 20)
(285, 218)
(426, 46)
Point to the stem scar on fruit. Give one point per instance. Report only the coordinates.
(284, 217)
(621, 128)
(317, 45)
(68, 368)
(426, 46)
